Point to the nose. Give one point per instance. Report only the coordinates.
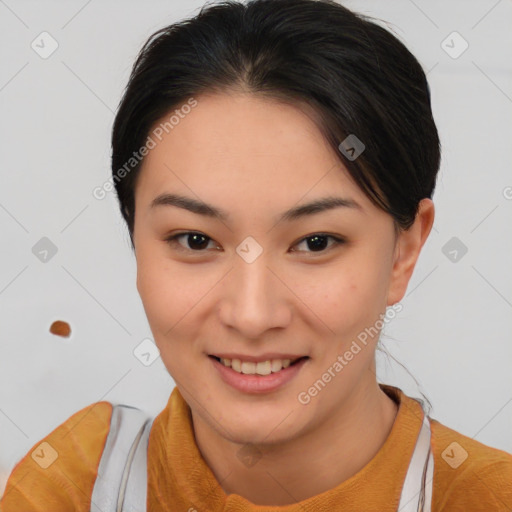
(254, 298)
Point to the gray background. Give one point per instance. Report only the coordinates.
(453, 334)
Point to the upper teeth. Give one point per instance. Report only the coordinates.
(261, 368)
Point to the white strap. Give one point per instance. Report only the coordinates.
(123, 466)
(129, 430)
(136, 487)
(417, 488)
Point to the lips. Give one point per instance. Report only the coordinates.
(254, 383)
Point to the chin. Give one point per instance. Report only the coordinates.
(254, 423)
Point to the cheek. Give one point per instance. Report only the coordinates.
(166, 301)
(162, 289)
(172, 294)
(348, 297)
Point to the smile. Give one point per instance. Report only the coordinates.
(260, 368)
(258, 376)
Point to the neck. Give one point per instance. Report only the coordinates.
(310, 464)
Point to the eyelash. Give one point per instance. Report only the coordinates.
(173, 241)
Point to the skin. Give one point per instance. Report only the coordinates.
(255, 158)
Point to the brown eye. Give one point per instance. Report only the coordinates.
(195, 242)
(318, 242)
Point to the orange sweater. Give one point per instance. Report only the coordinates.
(59, 475)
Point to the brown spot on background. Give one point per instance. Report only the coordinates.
(60, 328)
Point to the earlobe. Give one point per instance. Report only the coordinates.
(407, 251)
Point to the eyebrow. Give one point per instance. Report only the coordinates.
(199, 207)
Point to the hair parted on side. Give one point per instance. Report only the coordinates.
(353, 75)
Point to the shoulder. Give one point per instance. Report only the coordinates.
(468, 472)
(59, 471)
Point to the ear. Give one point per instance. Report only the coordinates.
(407, 250)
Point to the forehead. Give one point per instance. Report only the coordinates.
(244, 125)
(242, 142)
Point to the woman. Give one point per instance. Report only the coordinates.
(275, 164)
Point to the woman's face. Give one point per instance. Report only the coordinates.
(253, 286)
